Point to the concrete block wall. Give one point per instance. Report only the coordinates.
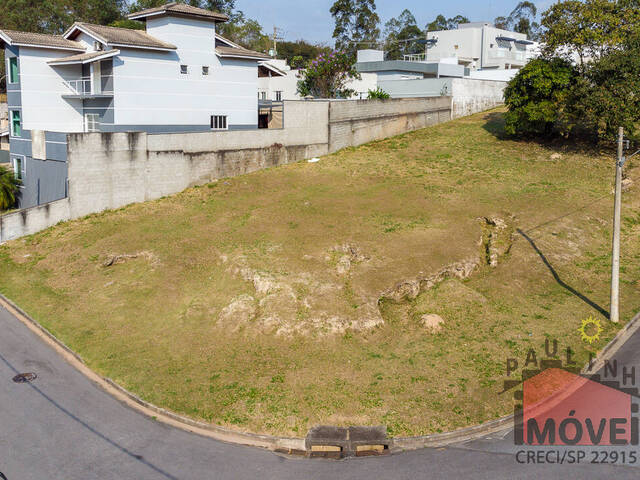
(352, 123)
(472, 96)
(111, 170)
(32, 220)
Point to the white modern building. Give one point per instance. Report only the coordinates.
(479, 46)
(176, 75)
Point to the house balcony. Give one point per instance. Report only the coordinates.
(86, 88)
(416, 57)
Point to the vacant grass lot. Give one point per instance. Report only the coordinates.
(253, 302)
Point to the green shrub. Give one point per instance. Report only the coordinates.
(327, 76)
(536, 98)
(8, 189)
(378, 94)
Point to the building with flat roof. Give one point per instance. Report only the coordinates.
(479, 46)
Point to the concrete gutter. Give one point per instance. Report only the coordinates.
(288, 445)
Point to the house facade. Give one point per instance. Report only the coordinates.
(479, 46)
(177, 75)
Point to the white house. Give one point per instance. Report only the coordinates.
(479, 46)
(177, 75)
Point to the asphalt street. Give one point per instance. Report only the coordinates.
(65, 427)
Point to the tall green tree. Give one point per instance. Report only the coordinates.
(607, 95)
(398, 33)
(522, 19)
(356, 25)
(299, 53)
(443, 23)
(590, 28)
(55, 16)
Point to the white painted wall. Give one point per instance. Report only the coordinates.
(150, 90)
(43, 107)
(476, 46)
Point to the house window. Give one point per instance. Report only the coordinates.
(18, 167)
(14, 72)
(218, 122)
(263, 95)
(91, 122)
(278, 96)
(184, 69)
(16, 124)
(205, 70)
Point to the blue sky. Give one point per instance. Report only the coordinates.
(311, 20)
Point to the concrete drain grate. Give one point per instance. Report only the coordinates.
(338, 442)
(24, 378)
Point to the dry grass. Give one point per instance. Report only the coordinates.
(234, 302)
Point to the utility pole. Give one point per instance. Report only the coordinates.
(615, 260)
(275, 41)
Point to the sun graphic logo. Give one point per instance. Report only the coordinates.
(590, 330)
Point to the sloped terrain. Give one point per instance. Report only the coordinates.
(385, 284)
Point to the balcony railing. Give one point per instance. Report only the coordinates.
(82, 87)
(415, 57)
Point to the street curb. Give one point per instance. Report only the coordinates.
(270, 442)
(284, 444)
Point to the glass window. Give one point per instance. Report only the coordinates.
(205, 70)
(13, 70)
(278, 96)
(92, 123)
(16, 124)
(18, 167)
(184, 69)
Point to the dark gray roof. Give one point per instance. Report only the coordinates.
(115, 36)
(40, 40)
(180, 9)
(239, 52)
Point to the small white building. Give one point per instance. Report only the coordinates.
(278, 81)
(177, 75)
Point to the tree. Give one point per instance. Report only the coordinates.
(398, 31)
(443, 23)
(536, 97)
(606, 97)
(299, 53)
(55, 16)
(327, 76)
(522, 20)
(8, 188)
(356, 25)
(590, 28)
